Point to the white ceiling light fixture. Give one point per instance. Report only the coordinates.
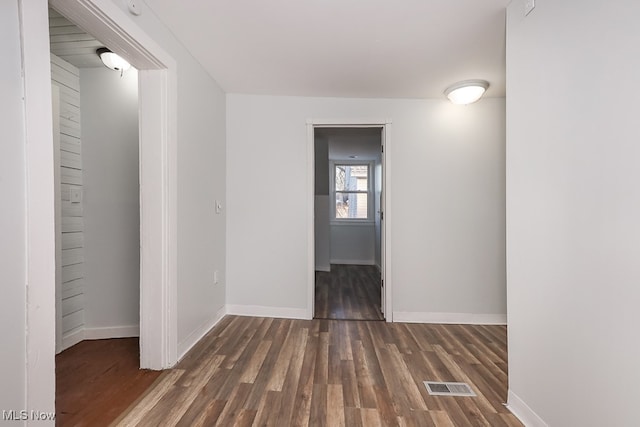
(112, 60)
(466, 92)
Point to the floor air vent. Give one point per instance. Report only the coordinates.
(448, 389)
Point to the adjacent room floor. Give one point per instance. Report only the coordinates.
(281, 372)
(348, 292)
(97, 380)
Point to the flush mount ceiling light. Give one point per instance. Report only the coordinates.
(466, 92)
(111, 60)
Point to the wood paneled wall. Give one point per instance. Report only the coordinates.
(67, 78)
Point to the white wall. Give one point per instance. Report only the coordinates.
(353, 244)
(448, 169)
(111, 201)
(201, 181)
(573, 205)
(12, 215)
(322, 232)
(321, 171)
(321, 205)
(377, 207)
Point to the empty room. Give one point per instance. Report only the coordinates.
(480, 268)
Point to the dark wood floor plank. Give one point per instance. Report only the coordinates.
(348, 292)
(318, 415)
(350, 384)
(268, 410)
(335, 405)
(234, 407)
(138, 414)
(352, 417)
(293, 375)
(304, 391)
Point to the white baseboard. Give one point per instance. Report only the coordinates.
(353, 261)
(264, 311)
(326, 268)
(72, 339)
(450, 318)
(112, 332)
(523, 412)
(81, 334)
(195, 336)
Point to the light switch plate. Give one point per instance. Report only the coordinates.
(218, 207)
(75, 195)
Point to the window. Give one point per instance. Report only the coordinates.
(352, 191)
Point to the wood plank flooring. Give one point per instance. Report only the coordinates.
(97, 380)
(281, 372)
(349, 292)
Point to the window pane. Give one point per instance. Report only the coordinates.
(351, 205)
(340, 178)
(352, 177)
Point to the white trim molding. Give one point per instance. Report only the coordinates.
(40, 210)
(264, 311)
(354, 261)
(72, 338)
(194, 337)
(523, 412)
(112, 332)
(450, 318)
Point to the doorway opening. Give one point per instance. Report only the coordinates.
(96, 150)
(97, 206)
(157, 89)
(158, 182)
(348, 222)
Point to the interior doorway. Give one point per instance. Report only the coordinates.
(348, 222)
(97, 217)
(96, 146)
(157, 88)
(158, 179)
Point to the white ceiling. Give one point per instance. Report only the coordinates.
(345, 48)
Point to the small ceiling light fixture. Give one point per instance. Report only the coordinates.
(112, 61)
(466, 92)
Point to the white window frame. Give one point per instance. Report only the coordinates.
(370, 193)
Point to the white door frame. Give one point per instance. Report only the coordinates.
(158, 179)
(386, 185)
(157, 80)
(57, 203)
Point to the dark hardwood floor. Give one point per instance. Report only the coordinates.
(280, 372)
(97, 380)
(348, 292)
